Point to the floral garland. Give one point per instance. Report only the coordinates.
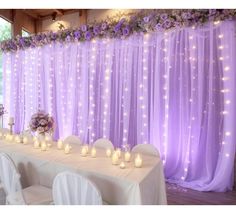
(141, 22)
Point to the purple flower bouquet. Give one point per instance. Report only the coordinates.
(41, 122)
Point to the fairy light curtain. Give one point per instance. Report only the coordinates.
(175, 90)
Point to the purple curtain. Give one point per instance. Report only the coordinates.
(175, 90)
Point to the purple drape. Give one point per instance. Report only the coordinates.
(175, 90)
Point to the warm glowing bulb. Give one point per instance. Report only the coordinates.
(227, 133)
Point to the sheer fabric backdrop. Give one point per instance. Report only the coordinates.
(175, 90)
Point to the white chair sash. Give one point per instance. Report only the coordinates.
(73, 140)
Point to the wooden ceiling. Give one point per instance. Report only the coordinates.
(40, 14)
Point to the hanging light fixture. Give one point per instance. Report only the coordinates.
(54, 15)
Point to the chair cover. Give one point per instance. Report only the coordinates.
(9, 176)
(103, 143)
(74, 189)
(72, 140)
(147, 149)
(2, 195)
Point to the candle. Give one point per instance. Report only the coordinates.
(67, 149)
(48, 138)
(59, 144)
(127, 156)
(138, 161)
(93, 152)
(87, 148)
(36, 144)
(122, 165)
(11, 138)
(84, 151)
(11, 120)
(17, 139)
(115, 159)
(43, 146)
(118, 152)
(25, 140)
(1, 134)
(35, 139)
(108, 152)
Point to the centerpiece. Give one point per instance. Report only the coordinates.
(41, 123)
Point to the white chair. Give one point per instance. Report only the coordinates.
(2, 195)
(147, 149)
(73, 189)
(73, 140)
(15, 195)
(103, 143)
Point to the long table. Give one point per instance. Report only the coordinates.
(129, 186)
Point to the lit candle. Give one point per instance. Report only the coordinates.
(11, 120)
(93, 152)
(43, 146)
(114, 158)
(122, 165)
(138, 161)
(59, 144)
(118, 152)
(36, 144)
(17, 139)
(87, 148)
(11, 138)
(1, 134)
(67, 149)
(84, 151)
(35, 138)
(7, 137)
(127, 156)
(108, 152)
(48, 138)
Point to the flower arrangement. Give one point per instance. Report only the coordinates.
(142, 22)
(41, 122)
(2, 111)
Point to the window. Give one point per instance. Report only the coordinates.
(5, 33)
(25, 33)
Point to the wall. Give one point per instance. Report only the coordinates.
(68, 20)
(102, 14)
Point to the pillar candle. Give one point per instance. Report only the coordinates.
(67, 149)
(118, 151)
(127, 156)
(17, 139)
(108, 152)
(36, 144)
(93, 152)
(138, 161)
(122, 165)
(43, 146)
(25, 140)
(59, 144)
(84, 151)
(115, 159)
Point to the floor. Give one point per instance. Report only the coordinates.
(177, 195)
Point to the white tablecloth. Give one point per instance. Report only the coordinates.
(131, 185)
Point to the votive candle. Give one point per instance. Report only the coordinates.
(93, 152)
(59, 144)
(25, 140)
(67, 149)
(127, 156)
(84, 151)
(108, 152)
(36, 144)
(122, 165)
(43, 146)
(114, 158)
(138, 161)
